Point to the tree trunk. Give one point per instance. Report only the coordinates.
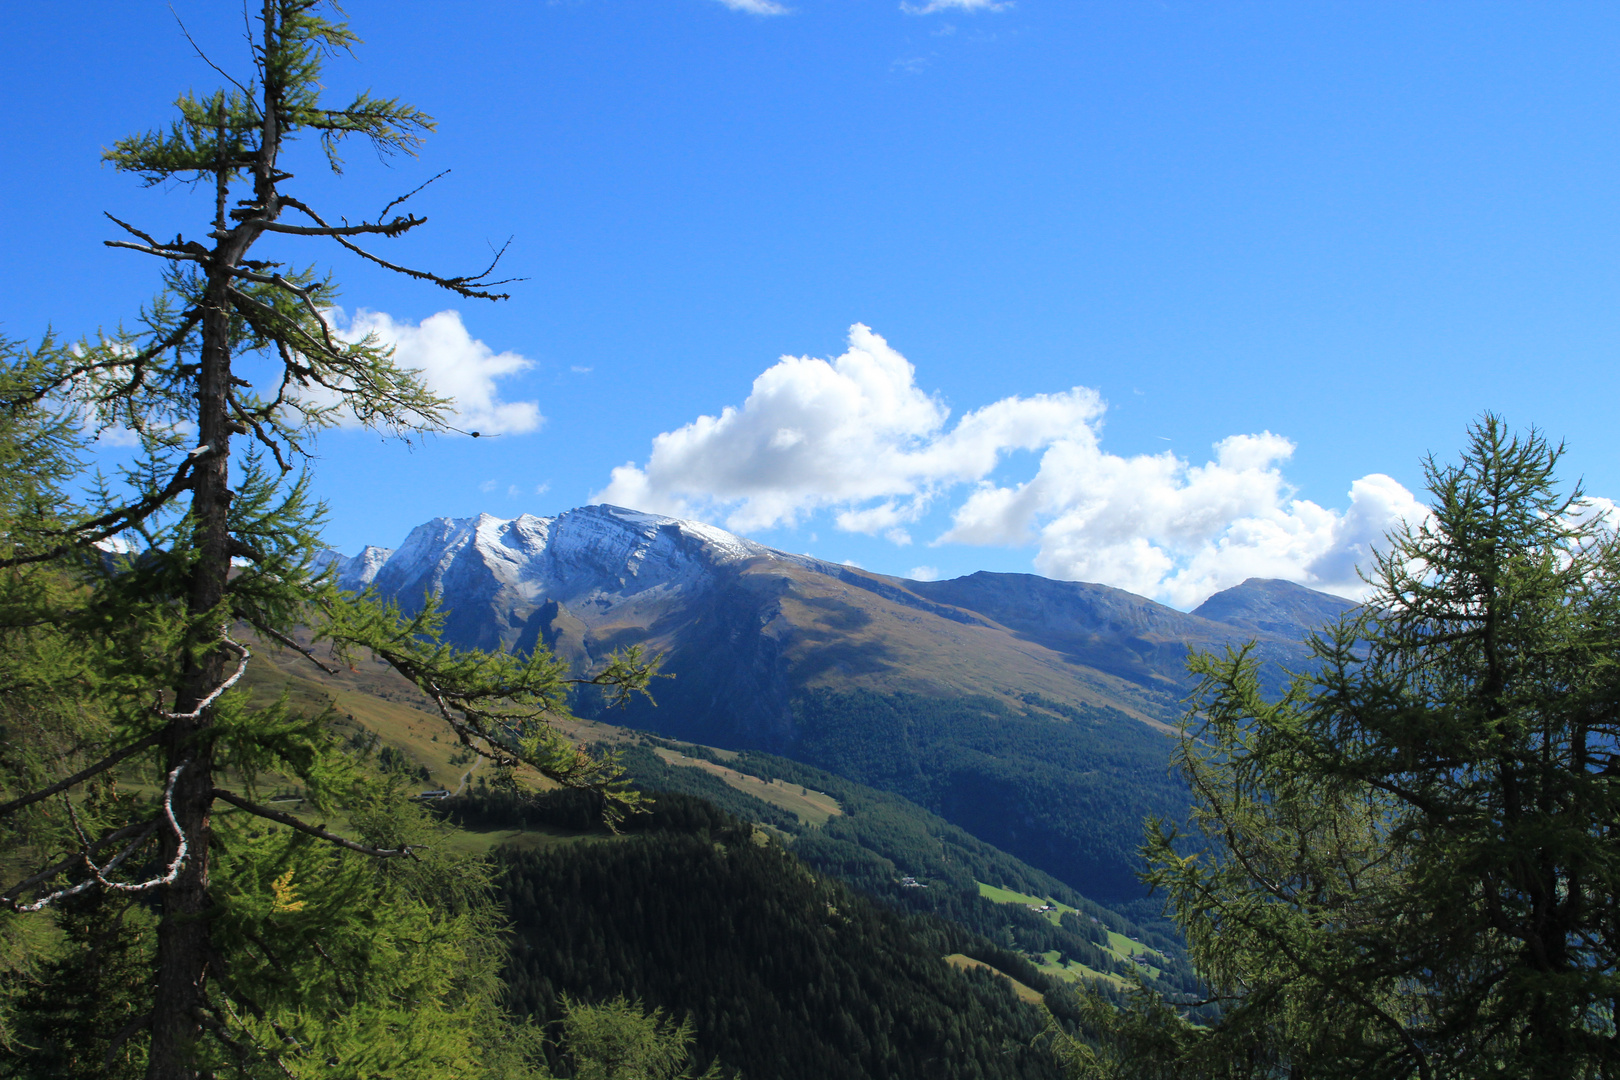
(183, 933)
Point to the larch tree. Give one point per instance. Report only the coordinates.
(233, 370)
(1409, 865)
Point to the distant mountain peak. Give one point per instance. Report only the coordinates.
(1274, 606)
(494, 572)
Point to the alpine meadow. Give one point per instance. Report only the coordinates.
(1160, 768)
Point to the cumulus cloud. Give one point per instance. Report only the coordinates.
(1595, 513)
(856, 437)
(757, 7)
(923, 573)
(934, 6)
(1164, 527)
(454, 364)
(854, 433)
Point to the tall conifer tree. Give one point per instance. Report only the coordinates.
(1409, 865)
(233, 370)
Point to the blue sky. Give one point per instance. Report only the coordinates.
(1157, 294)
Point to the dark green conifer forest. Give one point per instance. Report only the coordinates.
(784, 973)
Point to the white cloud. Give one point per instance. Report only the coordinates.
(934, 6)
(855, 430)
(1163, 527)
(453, 364)
(487, 486)
(541, 489)
(757, 7)
(855, 436)
(117, 436)
(923, 573)
(1596, 513)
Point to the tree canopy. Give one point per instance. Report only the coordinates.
(1408, 865)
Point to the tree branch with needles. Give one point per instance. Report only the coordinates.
(304, 827)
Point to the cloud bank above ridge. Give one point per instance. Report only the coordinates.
(856, 437)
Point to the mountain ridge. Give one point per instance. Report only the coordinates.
(604, 563)
(1027, 710)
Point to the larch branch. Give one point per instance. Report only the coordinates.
(83, 774)
(304, 827)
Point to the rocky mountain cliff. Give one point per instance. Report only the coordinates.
(1007, 702)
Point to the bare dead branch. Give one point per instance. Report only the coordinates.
(246, 93)
(469, 286)
(409, 194)
(472, 286)
(497, 255)
(186, 256)
(182, 845)
(241, 668)
(132, 230)
(283, 639)
(73, 860)
(82, 775)
(389, 228)
(294, 823)
(98, 874)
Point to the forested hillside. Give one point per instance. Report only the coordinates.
(786, 973)
(897, 852)
(828, 938)
(1065, 788)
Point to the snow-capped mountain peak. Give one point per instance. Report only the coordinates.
(600, 555)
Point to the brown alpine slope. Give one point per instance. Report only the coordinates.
(1029, 711)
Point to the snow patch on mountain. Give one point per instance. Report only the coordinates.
(600, 555)
(358, 572)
